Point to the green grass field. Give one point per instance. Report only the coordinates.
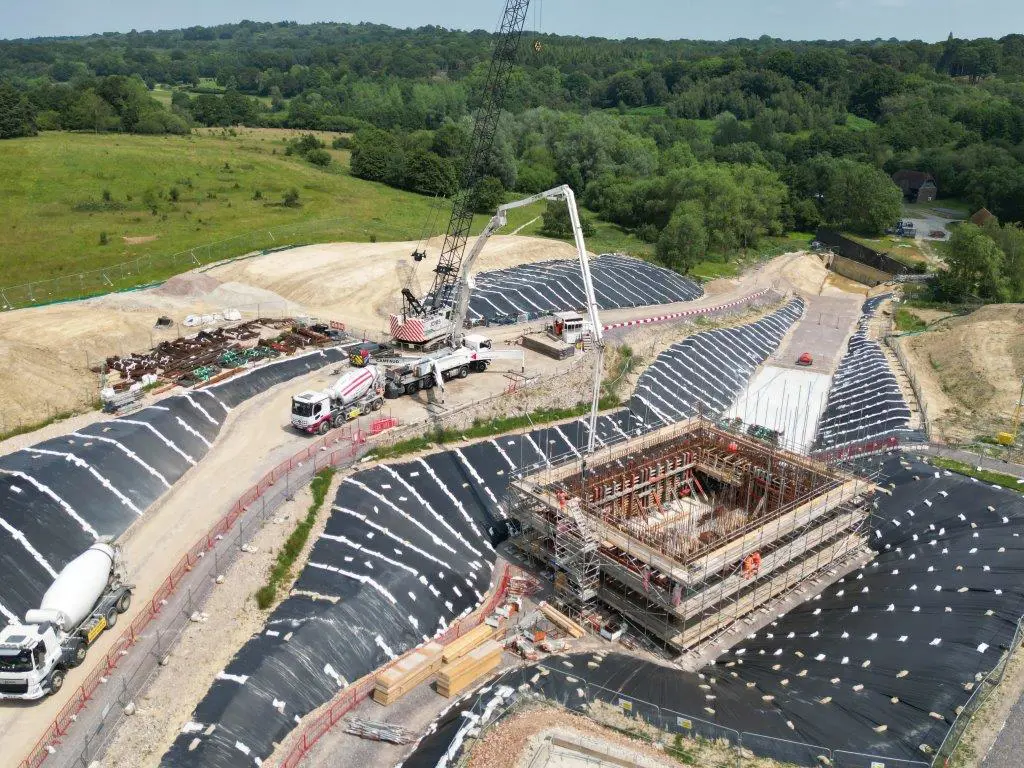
(858, 123)
(74, 202)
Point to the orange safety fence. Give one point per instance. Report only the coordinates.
(859, 449)
(347, 699)
(380, 425)
(347, 441)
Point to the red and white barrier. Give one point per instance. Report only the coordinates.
(686, 313)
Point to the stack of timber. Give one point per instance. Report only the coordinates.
(406, 673)
(562, 621)
(459, 648)
(457, 676)
(374, 731)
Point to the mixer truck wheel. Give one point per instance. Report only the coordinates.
(79, 655)
(57, 680)
(124, 601)
(322, 429)
(112, 618)
(377, 404)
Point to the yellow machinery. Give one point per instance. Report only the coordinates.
(1009, 438)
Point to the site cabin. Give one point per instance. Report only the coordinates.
(570, 327)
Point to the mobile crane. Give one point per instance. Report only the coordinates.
(425, 324)
(463, 353)
(435, 324)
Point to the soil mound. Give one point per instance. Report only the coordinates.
(190, 284)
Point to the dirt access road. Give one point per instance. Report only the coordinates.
(256, 437)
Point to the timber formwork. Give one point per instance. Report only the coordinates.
(689, 529)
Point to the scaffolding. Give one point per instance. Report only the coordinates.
(690, 529)
(576, 555)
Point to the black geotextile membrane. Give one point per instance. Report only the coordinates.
(555, 286)
(864, 401)
(878, 664)
(418, 532)
(707, 370)
(658, 694)
(58, 496)
(240, 388)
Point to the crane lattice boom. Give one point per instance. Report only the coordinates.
(446, 277)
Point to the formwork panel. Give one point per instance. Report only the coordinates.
(691, 527)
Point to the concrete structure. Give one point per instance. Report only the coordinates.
(854, 270)
(688, 530)
(785, 399)
(860, 253)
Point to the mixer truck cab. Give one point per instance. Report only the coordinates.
(85, 599)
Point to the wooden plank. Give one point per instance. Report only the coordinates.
(561, 620)
(407, 673)
(466, 643)
(462, 673)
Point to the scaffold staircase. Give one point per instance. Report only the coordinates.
(576, 554)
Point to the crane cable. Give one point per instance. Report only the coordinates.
(538, 24)
(427, 231)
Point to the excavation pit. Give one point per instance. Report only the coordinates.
(690, 529)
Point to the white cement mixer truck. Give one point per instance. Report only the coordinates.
(355, 393)
(84, 600)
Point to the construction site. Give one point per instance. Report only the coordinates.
(688, 530)
(555, 509)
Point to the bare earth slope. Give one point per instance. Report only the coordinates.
(46, 352)
(971, 369)
(360, 283)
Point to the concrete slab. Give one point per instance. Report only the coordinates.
(789, 400)
(826, 324)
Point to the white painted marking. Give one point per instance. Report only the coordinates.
(128, 452)
(80, 462)
(169, 443)
(63, 504)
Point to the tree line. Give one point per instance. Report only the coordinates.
(985, 263)
(700, 148)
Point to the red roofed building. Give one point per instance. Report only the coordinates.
(982, 217)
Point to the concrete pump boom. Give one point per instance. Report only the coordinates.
(461, 306)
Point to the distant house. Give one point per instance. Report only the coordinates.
(917, 186)
(982, 217)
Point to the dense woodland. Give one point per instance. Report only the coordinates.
(702, 148)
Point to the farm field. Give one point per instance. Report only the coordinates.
(76, 202)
